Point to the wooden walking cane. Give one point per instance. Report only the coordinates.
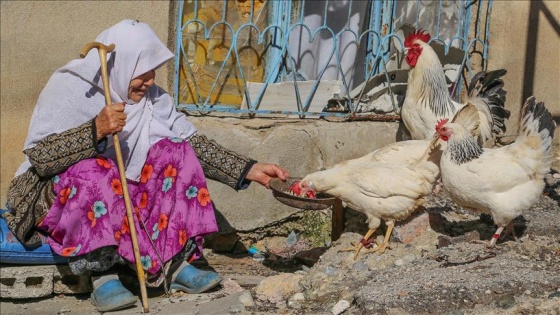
(103, 50)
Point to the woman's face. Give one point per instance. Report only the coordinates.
(140, 84)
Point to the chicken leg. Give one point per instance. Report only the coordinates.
(495, 237)
(381, 248)
(361, 244)
(509, 230)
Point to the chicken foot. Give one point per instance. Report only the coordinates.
(363, 243)
(381, 248)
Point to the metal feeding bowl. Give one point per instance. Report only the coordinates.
(281, 191)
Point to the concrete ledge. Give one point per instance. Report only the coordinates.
(23, 282)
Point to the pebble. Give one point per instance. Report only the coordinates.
(360, 266)
(506, 301)
(298, 297)
(64, 310)
(340, 307)
(554, 295)
(330, 270)
(246, 299)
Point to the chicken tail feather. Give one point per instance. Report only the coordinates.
(489, 88)
(536, 129)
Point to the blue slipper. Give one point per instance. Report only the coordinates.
(112, 296)
(192, 280)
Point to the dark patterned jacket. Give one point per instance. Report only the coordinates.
(31, 194)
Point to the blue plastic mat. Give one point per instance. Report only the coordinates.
(13, 252)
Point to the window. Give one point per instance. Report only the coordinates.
(316, 58)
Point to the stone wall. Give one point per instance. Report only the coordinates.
(299, 146)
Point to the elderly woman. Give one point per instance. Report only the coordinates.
(69, 187)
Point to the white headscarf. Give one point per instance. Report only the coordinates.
(74, 95)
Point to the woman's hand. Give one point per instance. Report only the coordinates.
(262, 173)
(111, 119)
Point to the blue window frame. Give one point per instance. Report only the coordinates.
(313, 58)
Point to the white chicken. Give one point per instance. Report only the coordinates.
(387, 184)
(427, 96)
(503, 181)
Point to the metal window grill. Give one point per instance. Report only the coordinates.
(317, 58)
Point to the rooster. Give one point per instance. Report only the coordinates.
(388, 184)
(501, 181)
(427, 97)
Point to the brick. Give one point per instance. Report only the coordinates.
(24, 282)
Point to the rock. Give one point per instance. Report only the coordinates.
(246, 299)
(409, 229)
(277, 288)
(222, 242)
(229, 286)
(554, 295)
(444, 240)
(296, 300)
(506, 301)
(330, 270)
(311, 256)
(360, 266)
(298, 297)
(340, 307)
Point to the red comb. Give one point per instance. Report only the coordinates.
(418, 34)
(441, 122)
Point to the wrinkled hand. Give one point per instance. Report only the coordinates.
(262, 173)
(111, 119)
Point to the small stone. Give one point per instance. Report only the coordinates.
(554, 295)
(298, 297)
(246, 299)
(556, 175)
(311, 256)
(409, 258)
(340, 307)
(360, 266)
(444, 241)
(330, 270)
(506, 301)
(399, 262)
(488, 292)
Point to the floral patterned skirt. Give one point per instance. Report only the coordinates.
(171, 204)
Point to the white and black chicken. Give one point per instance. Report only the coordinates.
(427, 95)
(503, 181)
